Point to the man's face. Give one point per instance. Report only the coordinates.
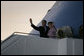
(43, 23)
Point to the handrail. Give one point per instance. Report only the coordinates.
(15, 40)
(15, 33)
(7, 38)
(25, 33)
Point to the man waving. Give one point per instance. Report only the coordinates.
(43, 30)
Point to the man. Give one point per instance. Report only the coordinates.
(42, 29)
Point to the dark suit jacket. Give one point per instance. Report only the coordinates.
(42, 31)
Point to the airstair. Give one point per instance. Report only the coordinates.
(31, 44)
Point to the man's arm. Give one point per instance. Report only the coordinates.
(36, 28)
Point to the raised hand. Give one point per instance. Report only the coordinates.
(30, 20)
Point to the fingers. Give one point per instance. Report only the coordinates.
(30, 18)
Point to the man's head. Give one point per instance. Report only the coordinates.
(44, 22)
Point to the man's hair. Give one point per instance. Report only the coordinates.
(50, 22)
(44, 21)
